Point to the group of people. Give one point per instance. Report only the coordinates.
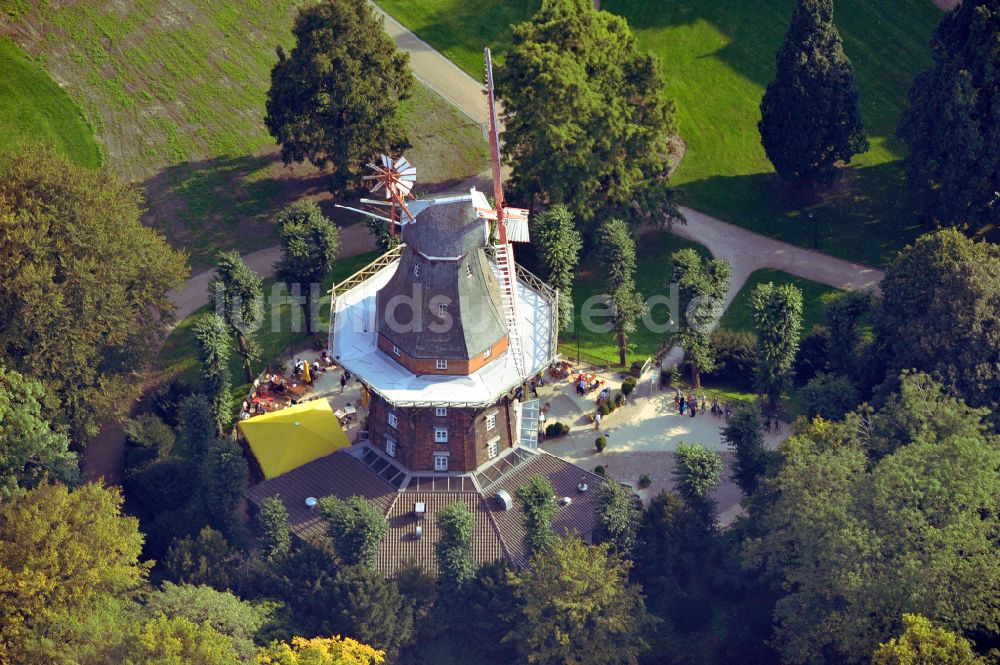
(692, 405)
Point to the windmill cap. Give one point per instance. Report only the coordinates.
(446, 230)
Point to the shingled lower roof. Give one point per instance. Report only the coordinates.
(498, 534)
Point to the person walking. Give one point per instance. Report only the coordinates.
(343, 380)
(682, 405)
(597, 420)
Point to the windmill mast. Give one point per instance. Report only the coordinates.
(498, 199)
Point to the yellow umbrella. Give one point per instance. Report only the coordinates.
(306, 377)
(287, 439)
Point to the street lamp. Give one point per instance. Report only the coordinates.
(815, 230)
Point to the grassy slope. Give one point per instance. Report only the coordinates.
(176, 90)
(717, 58)
(815, 297)
(34, 107)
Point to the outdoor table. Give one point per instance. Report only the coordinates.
(296, 389)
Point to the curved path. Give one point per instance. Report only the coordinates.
(745, 250)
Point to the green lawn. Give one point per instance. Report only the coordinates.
(178, 357)
(176, 95)
(717, 58)
(654, 251)
(33, 107)
(814, 296)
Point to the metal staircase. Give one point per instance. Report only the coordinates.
(504, 254)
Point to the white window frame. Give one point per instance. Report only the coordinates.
(487, 353)
(390, 447)
(441, 364)
(440, 462)
(395, 350)
(393, 421)
(493, 447)
(416, 270)
(491, 421)
(441, 411)
(440, 435)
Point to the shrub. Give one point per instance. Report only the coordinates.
(556, 429)
(619, 399)
(675, 375)
(147, 438)
(735, 357)
(605, 408)
(636, 368)
(601, 443)
(599, 470)
(829, 396)
(628, 385)
(645, 481)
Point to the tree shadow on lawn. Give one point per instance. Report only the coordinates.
(866, 217)
(205, 206)
(887, 41)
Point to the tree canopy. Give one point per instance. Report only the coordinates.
(923, 643)
(697, 470)
(237, 295)
(617, 517)
(309, 245)
(320, 651)
(558, 243)
(703, 285)
(576, 605)
(855, 542)
(777, 318)
(742, 433)
(586, 119)
(940, 314)
(951, 119)
(30, 449)
(212, 340)
(809, 114)
(618, 253)
(454, 549)
(84, 298)
(64, 554)
(538, 503)
(357, 529)
(333, 100)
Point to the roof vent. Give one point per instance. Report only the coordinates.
(419, 510)
(503, 497)
(420, 532)
(310, 501)
(583, 484)
(565, 501)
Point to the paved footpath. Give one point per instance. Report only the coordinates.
(745, 250)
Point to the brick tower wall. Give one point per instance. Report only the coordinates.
(468, 436)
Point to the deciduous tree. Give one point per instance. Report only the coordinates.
(777, 318)
(30, 449)
(810, 118)
(558, 243)
(703, 285)
(696, 471)
(586, 119)
(212, 339)
(828, 396)
(743, 434)
(334, 99)
(222, 611)
(207, 559)
(940, 314)
(309, 245)
(170, 641)
(83, 296)
(237, 295)
(617, 516)
(454, 549)
(276, 540)
(923, 643)
(320, 651)
(357, 529)
(576, 605)
(63, 554)
(538, 503)
(618, 251)
(951, 119)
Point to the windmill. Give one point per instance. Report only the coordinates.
(512, 226)
(393, 179)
